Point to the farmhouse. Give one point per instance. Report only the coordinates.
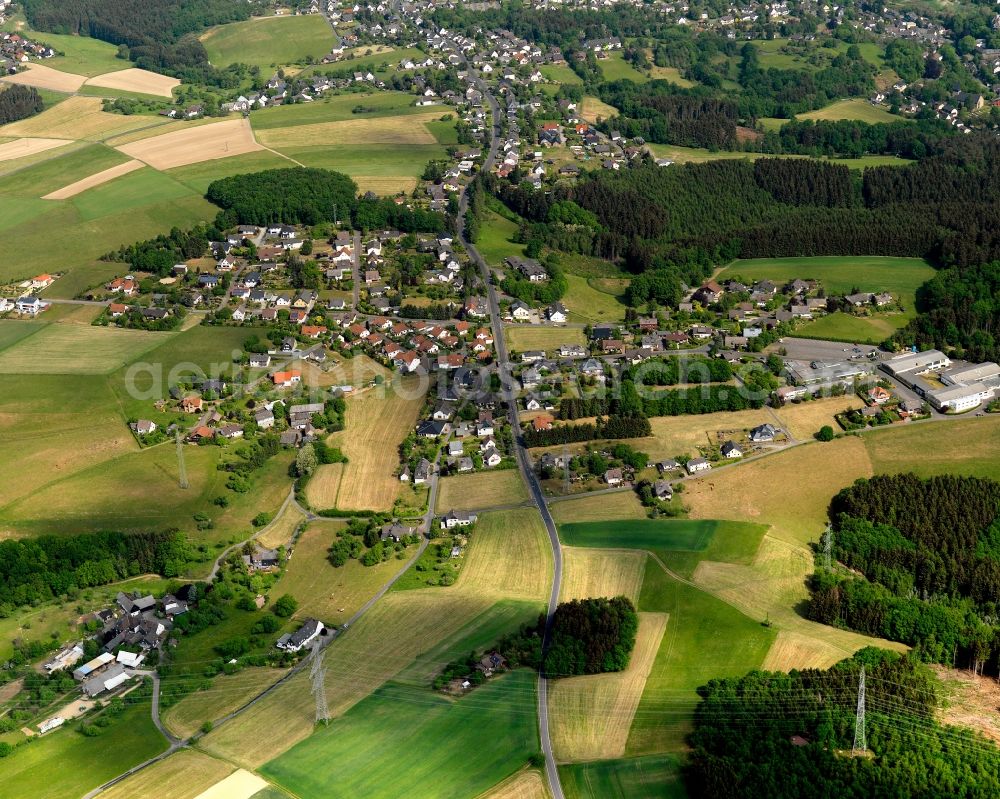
(662, 490)
(763, 433)
(454, 519)
(731, 450)
(106, 681)
(64, 658)
(305, 635)
(698, 465)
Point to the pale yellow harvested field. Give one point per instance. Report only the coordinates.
(590, 716)
(324, 485)
(43, 77)
(687, 435)
(509, 552)
(374, 427)
(591, 108)
(598, 508)
(396, 630)
(792, 650)
(137, 80)
(240, 784)
(168, 126)
(524, 785)
(481, 490)
(19, 148)
(96, 179)
(205, 143)
(77, 118)
(227, 692)
(183, 775)
(394, 185)
(591, 573)
(407, 129)
(804, 419)
(279, 533)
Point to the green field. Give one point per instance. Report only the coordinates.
(496, 236)
(66, 764)
(402, 741)
(560, 73)
(77, 349)
(964, 446)
(845, 327)
(369, 160)
(12, 331)
(78, 54)
(588, 303)
(705, 638)
(60, 170)
(840, 274)
(615, 67)
(137, 189)
(198, 176)
(697, 155)
(858, 109)
(650, 777)
(269, 42)
(337, 108)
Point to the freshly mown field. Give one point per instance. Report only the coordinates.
(270, 42)
(589, 573)
(533, 337)
(227, 692)
(324, 485)
(481, 490)
(858, 109)
(802, 420)
(183, 775)
(66, 764)
(840, 274)
(75, 349)
(651, 777)
(401, 742)
(590, 716)
(528, 784)
(591, 108)
(601, 507)
(374, 426)
(509, 554)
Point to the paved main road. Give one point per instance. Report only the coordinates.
(523, 460)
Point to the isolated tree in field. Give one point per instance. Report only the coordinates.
(825, 433)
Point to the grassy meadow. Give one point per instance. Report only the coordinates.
(269, 42)
(481, 490)
(650, 777)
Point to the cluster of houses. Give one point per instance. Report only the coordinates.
(17, 50)
(28, 304)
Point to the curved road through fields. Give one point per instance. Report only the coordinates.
(523, 460)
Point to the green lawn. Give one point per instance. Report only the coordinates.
(401, 741)
(337, 108)
(269, 42)
(840, 274)
(650, 777)
(705, 638)
(858, 109)
(496, 234)
(137, 189)
(615, 67)
(66, 764)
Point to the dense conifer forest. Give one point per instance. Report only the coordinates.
(924, 557)
(19, 102)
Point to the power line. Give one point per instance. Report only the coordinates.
(860, 741)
